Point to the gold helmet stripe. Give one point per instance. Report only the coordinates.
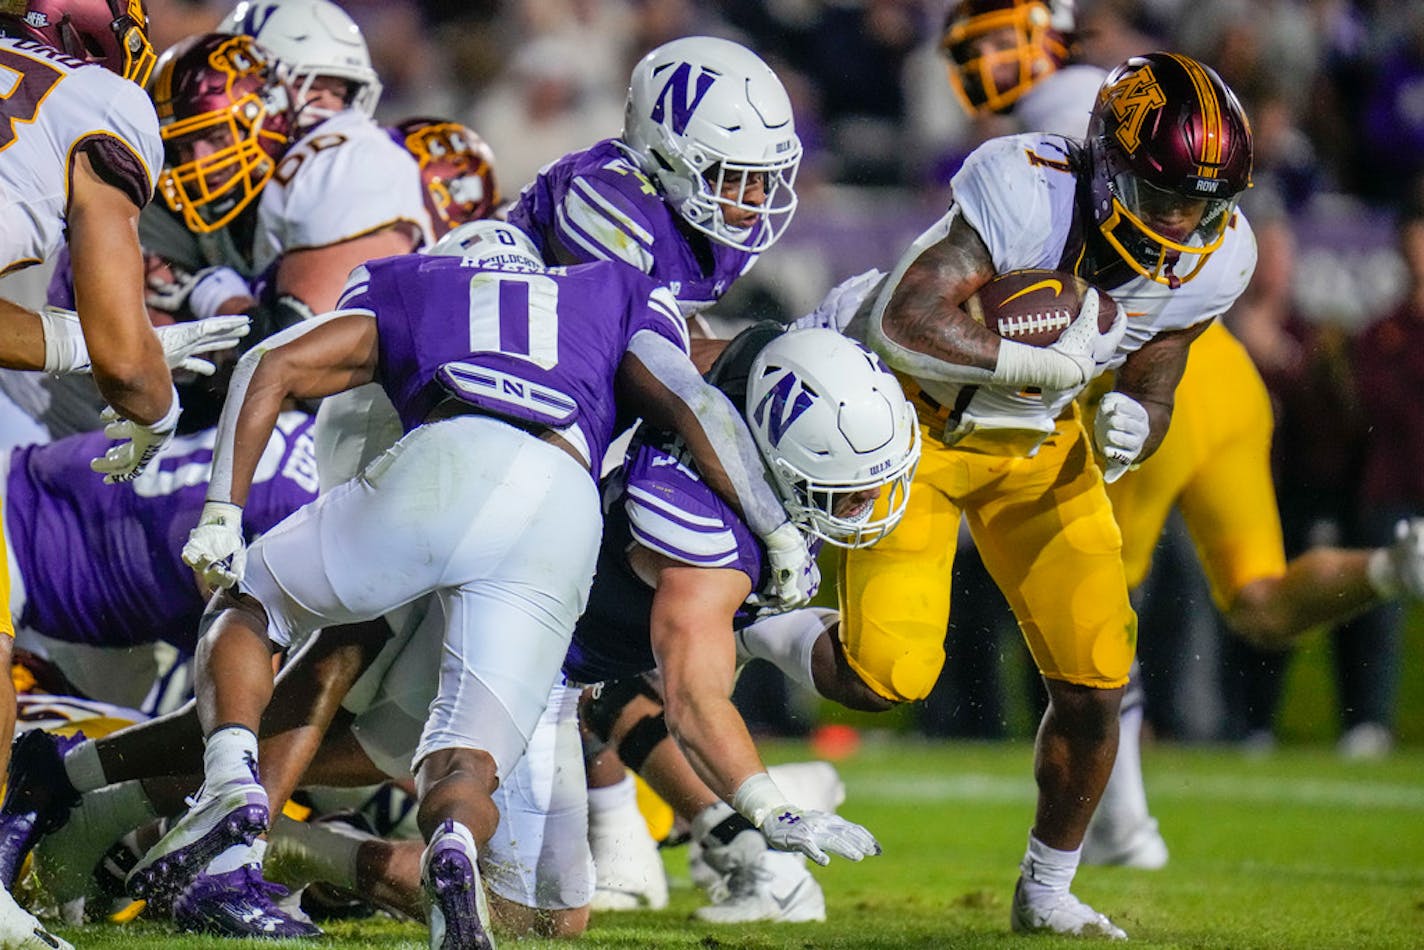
(1210, 158)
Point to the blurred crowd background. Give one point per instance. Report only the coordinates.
(1334, 318)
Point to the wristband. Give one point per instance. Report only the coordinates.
(1020, 366)
(169, 421)
(215, 288)
(758, 797)
(65, 351)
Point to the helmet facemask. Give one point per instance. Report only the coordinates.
(1017, 40)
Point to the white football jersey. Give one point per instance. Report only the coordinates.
(1060, 102)
(345, 178)
(1018, 192)
(52, 106)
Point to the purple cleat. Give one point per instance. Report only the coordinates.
(38, 796)
(459, 914)
(238, 903)
(212, 824)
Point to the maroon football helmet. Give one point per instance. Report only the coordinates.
(997, 49)
(456, 168)
(113, 33)
(1171, 154)
(225, 115)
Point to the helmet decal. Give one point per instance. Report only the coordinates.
(773, 410)
(1131, 100)
(675, 93)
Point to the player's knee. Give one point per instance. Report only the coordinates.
(1091, 713)
(887, 670)
(605, 706)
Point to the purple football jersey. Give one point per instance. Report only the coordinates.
(540, 347)
(597, 205)
(101, 564)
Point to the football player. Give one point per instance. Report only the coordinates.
(1146, 209)
(545, 407)
(700, 182)
(1008, 56)
(456, 169)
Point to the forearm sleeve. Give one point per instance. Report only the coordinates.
(717, 424)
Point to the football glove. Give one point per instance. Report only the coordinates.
(126, 461)
(841, 303)
(794, 574)
(1398, 570)
(216, 550)
(182, 342)
(1120, 431)
(1087, 346)
(817, 834)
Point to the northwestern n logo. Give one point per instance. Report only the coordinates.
(774, 412)
(677, 99)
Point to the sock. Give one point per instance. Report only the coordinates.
(82, 766)
(230, 757)
(447, 828)
(787, 640)
(1123, 807)
(609, 800)
(239, 855)
(1047, 872)
(116, 809)
(328, 850)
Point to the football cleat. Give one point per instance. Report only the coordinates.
(20, 930)
(1063, 914)
(38, 796)
(774, 886)
(212, 824)
(629, 869)
(238, 903)
(459, 913)
(1141, 847)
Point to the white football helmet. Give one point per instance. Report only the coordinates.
(709, 121)
(490, 244)
(310, 38)
(832, 422)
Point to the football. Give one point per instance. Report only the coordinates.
(1034, 306)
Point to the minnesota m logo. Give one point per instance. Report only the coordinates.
(774, 412)
(677, 97)
(1131, 99)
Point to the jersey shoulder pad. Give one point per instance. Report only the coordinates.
(1017, 193)
(343, 179)
(673, 512)
(610, 211)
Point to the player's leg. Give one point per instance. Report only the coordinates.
(1054, 549)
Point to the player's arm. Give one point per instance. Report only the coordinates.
(322, 357)
(1149, 376)
(126, 357)
(691, 630)
(918, 326)
(315, 276)
(658, 380)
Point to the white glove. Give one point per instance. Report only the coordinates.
(1399, 569)
(126, 461)
(841, 304)
(1120, 431)
(182, 342)
(1084, 344)
(215, 549)
(817, 834)
(203, 292)
(794, 573)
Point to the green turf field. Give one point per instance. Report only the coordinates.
(1297, 850)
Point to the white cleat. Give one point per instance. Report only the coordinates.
(213, 823)
(1141, 847)
(630, 874)
(20, 930)
(1064, 914)
(776, 888)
